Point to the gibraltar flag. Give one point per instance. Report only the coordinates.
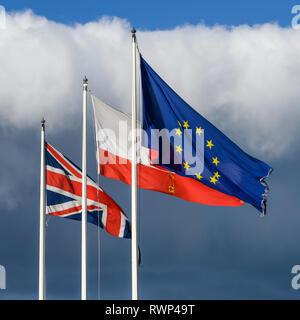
(113, 131)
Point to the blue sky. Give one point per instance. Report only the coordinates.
(244, 80)
(162, 14)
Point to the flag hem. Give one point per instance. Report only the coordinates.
(266, 192)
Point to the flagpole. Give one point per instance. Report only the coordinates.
(84, 201)
(42, 291)
(134, 246)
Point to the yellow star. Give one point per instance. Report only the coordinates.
(216, 161)
(199, 130)
(213, 180)
(217, 175)
(186, 165)
(179, 123)
(185, 124)
(199, 176)
(178, 149)
(209, 144)
(178, 132)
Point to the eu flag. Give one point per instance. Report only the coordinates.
(226, 167)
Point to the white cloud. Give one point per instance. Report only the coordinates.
(243, 79)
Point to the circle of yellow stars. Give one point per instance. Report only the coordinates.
(209, 144)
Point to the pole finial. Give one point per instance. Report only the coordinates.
(133, 31)
(85, 80)
(43, 122)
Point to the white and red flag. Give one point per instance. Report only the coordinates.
(114, 143)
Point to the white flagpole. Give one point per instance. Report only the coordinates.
(84, 201)
(42, 291)
(134, 246)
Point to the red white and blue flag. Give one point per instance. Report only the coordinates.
(64, 190)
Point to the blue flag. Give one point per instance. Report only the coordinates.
(225, 167)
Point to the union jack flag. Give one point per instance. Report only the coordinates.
(64, 190)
